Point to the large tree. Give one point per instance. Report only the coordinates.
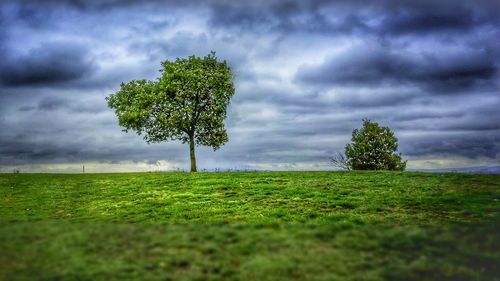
(372, 148)
(188, 102)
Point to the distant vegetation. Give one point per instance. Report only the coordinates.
(372, 148)
(250, 226)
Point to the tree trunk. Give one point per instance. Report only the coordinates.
(191, 153)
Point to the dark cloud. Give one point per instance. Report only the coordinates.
(470, 146)
(424, 115)
(27, 108)
(52, 103)
(378, 99)
(48, 64)
(34, 15)
(404, 23)
(29, 7)
(424, 17)
(355, 67)
(377, 18)
(287, 17)
(368, 66)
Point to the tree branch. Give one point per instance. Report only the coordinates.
(339, 160)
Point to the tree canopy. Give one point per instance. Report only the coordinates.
(188, 102)
(373, 148)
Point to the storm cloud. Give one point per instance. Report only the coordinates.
(50, 63)
(438, 72)
(306, 73)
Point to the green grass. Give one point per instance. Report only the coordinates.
(250, 226)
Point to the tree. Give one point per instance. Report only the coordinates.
(373, 148)
(339, 160)
(188, 102)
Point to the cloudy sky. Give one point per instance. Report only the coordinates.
(306, 73)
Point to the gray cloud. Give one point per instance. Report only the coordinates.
(48, 64)
(374, 65)
(52, 103)
(466, 145)
(423, 17)
(379, 18)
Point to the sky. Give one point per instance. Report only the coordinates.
(306, 74)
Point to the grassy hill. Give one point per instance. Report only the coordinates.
(250, 226)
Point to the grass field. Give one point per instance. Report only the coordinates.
(250, 226)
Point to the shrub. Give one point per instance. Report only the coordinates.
(373, 148)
